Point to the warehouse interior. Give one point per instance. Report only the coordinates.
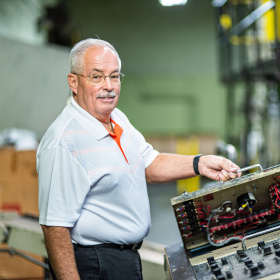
(201, 77)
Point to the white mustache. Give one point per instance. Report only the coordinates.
(110, 94)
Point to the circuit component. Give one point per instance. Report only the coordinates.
(188, 205)
(227, 223)
(239, 222)
(274, 193)
(193, 214)
(246, 201)
(227, 206)
(239, 210)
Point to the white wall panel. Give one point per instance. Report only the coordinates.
(33, 84)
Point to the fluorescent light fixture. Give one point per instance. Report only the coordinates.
(218, 3)
(172, 2)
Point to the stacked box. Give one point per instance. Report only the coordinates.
(19, 191)
(18, 181)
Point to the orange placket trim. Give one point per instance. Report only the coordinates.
(117, 136)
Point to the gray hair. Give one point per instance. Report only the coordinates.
(80, 48)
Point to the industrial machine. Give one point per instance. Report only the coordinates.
(249, 59)
(22, 233)
(229, 230)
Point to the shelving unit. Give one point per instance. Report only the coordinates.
(249, 50)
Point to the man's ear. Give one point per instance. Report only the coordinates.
(73, 82)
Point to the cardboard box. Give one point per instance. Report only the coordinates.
(19, 191)
(17, 164)
(18, 181)
(15, 267)
(206, 144)
(7, 159)
(25, 164)
(19, 195)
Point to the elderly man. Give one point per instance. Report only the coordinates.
(93, 166)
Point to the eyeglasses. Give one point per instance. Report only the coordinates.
(116, 78)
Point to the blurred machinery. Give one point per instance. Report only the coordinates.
(22, 235)
(226, 150)
(249, 49)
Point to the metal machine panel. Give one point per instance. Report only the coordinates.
(22, 233)
(27, 235)
(257, 183)
(231, 230)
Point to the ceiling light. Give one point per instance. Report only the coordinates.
(218, 3)
(172, 2)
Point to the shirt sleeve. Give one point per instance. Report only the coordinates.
(147, 151)
(63, 186)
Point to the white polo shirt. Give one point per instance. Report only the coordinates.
(86, 184)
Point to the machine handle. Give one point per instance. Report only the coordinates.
(257, 234)
(247, 168)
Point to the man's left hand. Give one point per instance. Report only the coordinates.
(218, 168)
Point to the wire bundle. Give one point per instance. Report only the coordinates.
(277, 192)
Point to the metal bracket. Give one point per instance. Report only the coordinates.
(257, 234)
(247, 168)
(14, 252)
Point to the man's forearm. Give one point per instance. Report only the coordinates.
(170, 167)
(61, 253)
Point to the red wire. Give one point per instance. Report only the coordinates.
(277, 192)
(198, 201)
(250, 226)
(247, 227)
(209, 209)
(226, 217)
(244, 212)
(222, 217)
(278, 177)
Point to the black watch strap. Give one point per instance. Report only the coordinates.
(195, 164)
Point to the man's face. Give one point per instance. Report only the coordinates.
(91, 97)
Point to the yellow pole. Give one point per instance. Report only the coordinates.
(269, 24)
(188, 146)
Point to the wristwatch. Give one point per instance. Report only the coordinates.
(195, 164)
